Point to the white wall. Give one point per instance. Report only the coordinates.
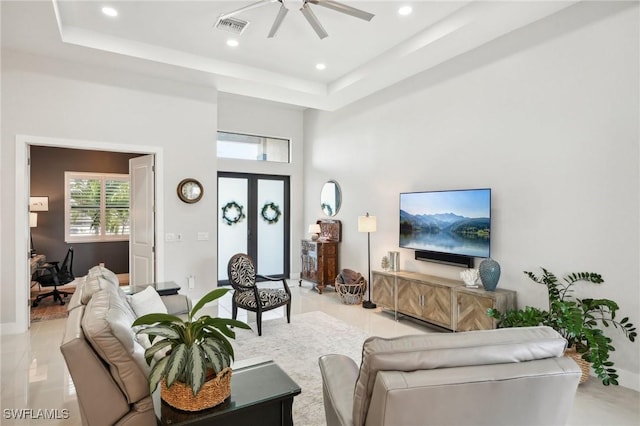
(546, 116)
(53, 99)
(264, 118)
(56, 99)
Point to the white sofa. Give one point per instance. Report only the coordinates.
(514, 376)
(104, 357)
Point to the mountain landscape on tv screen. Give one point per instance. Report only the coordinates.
(445, 232)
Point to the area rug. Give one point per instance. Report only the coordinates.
(47, 309)
(296, 348)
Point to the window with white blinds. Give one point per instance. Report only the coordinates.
(96, 207)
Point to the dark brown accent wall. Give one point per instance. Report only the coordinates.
(47, 179)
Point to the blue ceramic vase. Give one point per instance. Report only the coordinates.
(489, 274)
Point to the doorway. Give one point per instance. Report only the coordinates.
(22, 188)
(254, 218)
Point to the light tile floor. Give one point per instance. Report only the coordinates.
(34, 375)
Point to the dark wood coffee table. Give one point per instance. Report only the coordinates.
(261, 394)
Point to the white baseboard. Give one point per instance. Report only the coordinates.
(11, 328)
(628, 379)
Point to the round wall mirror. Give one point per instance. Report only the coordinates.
(330, 198)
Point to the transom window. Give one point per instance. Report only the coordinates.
(96, 207)
(256, 148)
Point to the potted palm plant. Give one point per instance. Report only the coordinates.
(192, 356)
(580, 321)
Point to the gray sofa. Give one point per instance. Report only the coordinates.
(103, 355)
(515, 376)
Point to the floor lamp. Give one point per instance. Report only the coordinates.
(368, 224)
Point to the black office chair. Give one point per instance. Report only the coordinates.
(247, 295)
(54, 274)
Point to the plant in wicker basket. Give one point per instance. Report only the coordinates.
(580, 321)
(197, 355)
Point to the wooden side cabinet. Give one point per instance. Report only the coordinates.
(319, 263)
(382, 292)
(439, 301)
(472, 305)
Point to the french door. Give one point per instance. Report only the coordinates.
(254, 218)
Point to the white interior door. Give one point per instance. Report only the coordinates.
(28, 191)
(142, 238)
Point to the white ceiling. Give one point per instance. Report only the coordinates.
(361, 57)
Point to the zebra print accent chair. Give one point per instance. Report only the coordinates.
(248, 296)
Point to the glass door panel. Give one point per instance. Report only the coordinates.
(271, 219)
(233, 225)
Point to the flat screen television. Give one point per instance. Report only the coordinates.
(454, 222)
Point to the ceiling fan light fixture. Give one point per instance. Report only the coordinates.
(303, 5)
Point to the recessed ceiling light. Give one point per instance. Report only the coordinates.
(405, 10)
(321, 67)
(109, 11)
(232, 42)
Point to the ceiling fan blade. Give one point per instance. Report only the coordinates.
(313, 21)
(330, 4)
(276, 24)
(244, 9)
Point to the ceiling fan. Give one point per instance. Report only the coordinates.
(303, 6)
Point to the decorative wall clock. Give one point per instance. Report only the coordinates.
(190, 190)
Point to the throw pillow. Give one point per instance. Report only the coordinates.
(148, 301)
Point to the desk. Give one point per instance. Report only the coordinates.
(36, 261)
(165, 288)
(261, 394)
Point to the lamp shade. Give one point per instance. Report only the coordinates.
(314, 228)
(33, 220)
(367, 223)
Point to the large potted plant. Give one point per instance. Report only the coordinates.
(580, 321)
(192, 357)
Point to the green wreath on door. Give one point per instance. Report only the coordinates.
(271, 213)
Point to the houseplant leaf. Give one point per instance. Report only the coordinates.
(150, 352)
(580, 321)
(154, 318)
(197, 370)
(162, 330)
(157, 373)
(209, 297)
(215, 357)
(177, 362)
